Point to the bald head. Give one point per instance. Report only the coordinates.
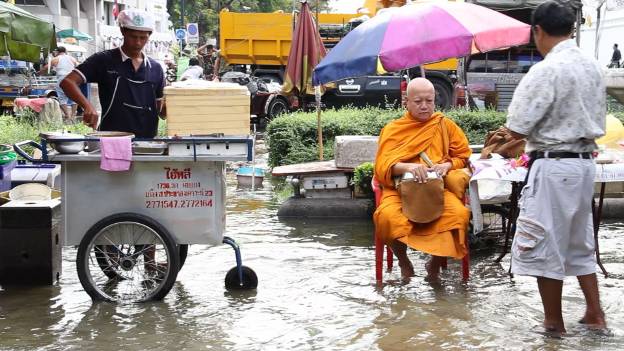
(417, 85)
(420, 99)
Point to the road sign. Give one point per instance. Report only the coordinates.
(180, 33)
(192, 33)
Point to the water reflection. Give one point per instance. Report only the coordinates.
(316, 292)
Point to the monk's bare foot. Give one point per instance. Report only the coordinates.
(433, 271)
(594, 320)
(407, 270)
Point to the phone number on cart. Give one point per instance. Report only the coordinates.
(177, 203)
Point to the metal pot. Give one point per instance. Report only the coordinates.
(58, 141)
(93, 139)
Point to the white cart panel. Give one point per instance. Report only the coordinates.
(187, 198)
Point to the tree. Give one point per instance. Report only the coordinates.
(206, 12)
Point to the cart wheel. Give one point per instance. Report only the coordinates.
(127, 257)
(250, 279)
(183, 250)
(108, 257)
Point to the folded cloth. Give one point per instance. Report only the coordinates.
(116, 153)
(36, 104)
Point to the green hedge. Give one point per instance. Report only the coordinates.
(292, 138)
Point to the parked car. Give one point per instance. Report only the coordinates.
(378, 91)
(266, 100)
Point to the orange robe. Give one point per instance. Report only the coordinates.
(401, 141)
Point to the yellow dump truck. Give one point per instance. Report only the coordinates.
(262, 40)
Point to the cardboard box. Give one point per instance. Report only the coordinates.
(207, 109)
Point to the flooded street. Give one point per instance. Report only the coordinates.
(316, 291)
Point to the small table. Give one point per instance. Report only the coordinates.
(502, 170)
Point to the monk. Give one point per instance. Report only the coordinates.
(400, 143)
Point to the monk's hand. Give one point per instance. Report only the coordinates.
(419, 171)
(442, 168)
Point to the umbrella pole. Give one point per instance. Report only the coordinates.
(464, 75)
(319, 127)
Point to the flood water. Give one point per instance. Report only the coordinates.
(316, 291)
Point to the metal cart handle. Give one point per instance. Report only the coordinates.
(18, 148)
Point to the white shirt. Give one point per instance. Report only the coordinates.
(560, 104)
(193, 72)
(64, 65)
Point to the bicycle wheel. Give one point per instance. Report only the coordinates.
(141, 259)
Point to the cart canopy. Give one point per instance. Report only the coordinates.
(24, 36)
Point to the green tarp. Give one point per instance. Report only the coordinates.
(24, 36)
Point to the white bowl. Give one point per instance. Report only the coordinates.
(31, 192)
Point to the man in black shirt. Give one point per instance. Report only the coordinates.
(615, 59)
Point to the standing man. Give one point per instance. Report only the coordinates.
(63, 65)
(560, 108)
(130, 83)
(220, 65)
(206, 52)
(616, 57)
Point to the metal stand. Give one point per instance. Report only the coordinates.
(510, 227)
(239, 261)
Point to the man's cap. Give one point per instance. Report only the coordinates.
(136, 20)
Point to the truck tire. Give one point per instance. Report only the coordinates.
(277, 107)
(444, 93)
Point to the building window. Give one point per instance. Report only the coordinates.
(30, 2)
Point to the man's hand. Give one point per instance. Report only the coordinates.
(90, 116)
(442, 168)
(515, 135)
(162, 107)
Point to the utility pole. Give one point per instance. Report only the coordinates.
(182, 15)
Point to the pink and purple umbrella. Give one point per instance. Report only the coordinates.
(416, 34)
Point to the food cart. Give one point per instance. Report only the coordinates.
(132, 228)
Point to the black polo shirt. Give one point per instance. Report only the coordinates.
(104, 67)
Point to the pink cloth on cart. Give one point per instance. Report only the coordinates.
(116, 153)
(36, 104)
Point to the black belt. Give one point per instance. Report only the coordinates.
(534, 155)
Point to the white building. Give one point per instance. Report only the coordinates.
(95, 17)
(611, 31)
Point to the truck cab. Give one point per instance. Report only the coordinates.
(493, 77)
